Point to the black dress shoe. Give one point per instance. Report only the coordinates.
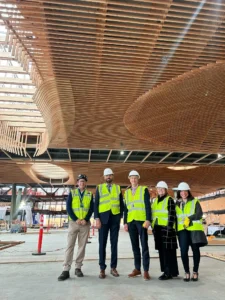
(79, 273)
(187, 277)
(165, 277)
(194, 278)
(65, 275)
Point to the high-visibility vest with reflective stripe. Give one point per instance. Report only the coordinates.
(160, 212)
(189, 210)
(109, 200)
(80, 208)
(135, 204)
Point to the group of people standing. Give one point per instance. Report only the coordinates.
(167, 218)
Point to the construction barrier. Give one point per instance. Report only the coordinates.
(40, 237)
(93, 230)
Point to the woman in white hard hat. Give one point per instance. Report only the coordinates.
(190, 229)
(137, 216)
(163, 224)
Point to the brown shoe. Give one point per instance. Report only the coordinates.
(146, 275)
(102, 274)
(134, 273)
(114, 272)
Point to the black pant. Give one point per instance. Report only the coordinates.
(167, 257)
(136, 230)
(113, 227)
(184, 237)
(168, 261)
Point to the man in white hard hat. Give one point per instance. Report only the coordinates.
(137, 217)
(108, 211)
(163, 225)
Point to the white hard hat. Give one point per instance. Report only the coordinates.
(108, 171)
(134, 173)
(162, 184)
(183, 186)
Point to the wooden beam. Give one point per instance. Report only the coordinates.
(218, 158)
(27, 125)
(6, 153)
(21, 119)
(29, 155)
(69, 154)
(109, 155)
(33, 130)
(22, 106)
(49, 155)
(146, 157)
(128, 156)
(182, 158)
(17, 81)
(17, 91)
(10, 69)
(168, 154)
(199, 159)
(89, 156)
(16, 99)
(13, 112)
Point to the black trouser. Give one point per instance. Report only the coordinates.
(167, 257)
(114, 228)
(184, 237)
(136, 230)
(168, 261)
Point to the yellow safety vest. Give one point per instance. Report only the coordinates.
(189, 210)
(109, 200)
(80, 208)
(135, 204)
(160, 212)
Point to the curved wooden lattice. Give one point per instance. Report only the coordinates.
(114, 51)
(49, 173)
(19, 117)
(56, 102)
(186, 113)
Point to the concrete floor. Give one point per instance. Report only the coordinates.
(23, 276)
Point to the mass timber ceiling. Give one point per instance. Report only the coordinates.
(99, 57)
(19, 77)
(195, 119)
(202, 179)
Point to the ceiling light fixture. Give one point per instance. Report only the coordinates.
(122, 152)
(181, 168)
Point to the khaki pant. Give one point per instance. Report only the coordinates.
(80, 231)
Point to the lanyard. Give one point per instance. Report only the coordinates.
(133, 195)
(81, 196)
(183, 205)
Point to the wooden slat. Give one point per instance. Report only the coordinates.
(17, 81)
(16, 99)
(17, 91)
(22, 106)
(12, 112)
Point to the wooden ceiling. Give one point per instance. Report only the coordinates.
(97, 59)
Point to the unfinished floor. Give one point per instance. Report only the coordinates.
(23, 276)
